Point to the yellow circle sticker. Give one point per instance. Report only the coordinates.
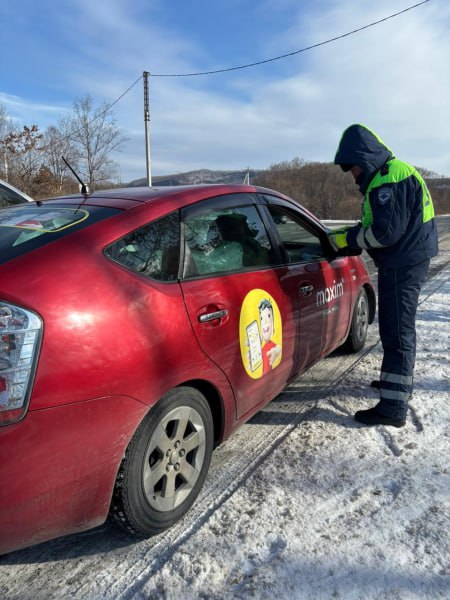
(260, 333)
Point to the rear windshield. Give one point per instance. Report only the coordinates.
(26, 227)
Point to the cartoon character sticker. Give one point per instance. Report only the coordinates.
(260, 333)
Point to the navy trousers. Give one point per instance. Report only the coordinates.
(398, 297)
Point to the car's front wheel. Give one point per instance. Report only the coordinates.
(165, 464)
(360, 322)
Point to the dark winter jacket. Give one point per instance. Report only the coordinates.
(397, 225)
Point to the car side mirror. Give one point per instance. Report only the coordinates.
(350, 251)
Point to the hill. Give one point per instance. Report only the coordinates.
(199, 176)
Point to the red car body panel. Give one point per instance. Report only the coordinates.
(114, 342)
(70, 470)
(218, 338)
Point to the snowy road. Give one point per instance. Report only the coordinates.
(301, 502)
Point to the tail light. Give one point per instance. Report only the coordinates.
(20, 336)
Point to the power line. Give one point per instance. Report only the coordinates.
(105, 110)
(262, 62)
(121, 96)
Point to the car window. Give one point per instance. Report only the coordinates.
(298, 242)
(225, 240)
(26, 227)
(152, 250)
(10, 196)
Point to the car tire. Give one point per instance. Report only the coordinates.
(165, 464)
(360, 322)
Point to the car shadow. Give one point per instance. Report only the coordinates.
(101, 539)
(312, 414)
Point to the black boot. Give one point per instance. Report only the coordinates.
(373, 417)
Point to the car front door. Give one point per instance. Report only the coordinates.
(239, 309)
(320, 286)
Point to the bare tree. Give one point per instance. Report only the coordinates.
(25, 155)
(96, 135)
(427, 174)
(58, 143)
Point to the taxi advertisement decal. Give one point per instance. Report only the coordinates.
(260, 333)
(43, 220)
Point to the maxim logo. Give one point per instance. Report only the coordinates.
(329, 294)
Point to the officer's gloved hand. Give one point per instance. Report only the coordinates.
(338, 241)
(338, 238)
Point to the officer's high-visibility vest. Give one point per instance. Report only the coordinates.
(393, 172)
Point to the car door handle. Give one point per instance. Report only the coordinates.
(212, 316)
(306, 289)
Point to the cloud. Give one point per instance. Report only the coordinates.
(26, 112)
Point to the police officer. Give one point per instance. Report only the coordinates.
(398, 231)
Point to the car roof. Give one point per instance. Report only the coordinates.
(167, 197)
(129, 197)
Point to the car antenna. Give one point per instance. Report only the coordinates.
(84, 188)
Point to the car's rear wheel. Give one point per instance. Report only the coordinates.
(165, 464)
(360, 321)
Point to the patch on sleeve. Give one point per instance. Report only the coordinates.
(384, 195)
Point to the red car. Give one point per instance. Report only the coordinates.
(138, 328)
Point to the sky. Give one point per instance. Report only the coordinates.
(311, 505)
(394, 77)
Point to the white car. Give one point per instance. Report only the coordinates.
(11, 195)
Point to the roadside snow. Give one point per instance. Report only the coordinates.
(337, 510)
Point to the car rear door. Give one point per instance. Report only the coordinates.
(240, 309)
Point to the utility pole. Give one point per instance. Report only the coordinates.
(147, 128)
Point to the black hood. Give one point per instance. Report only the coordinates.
(362, 147)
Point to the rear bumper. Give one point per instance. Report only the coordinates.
(58, 467)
